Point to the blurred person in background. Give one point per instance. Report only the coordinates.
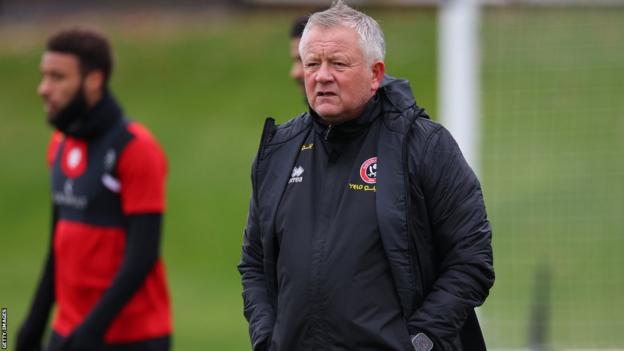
(367, 229)
(103, 268)
(296, 69)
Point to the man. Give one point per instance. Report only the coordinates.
(103, 269)
(367, 229)
(296, 70)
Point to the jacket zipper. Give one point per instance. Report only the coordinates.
(329, 128)
(269, 125)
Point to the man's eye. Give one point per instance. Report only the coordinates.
(311, 64)
(56, 76)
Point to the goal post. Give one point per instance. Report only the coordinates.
(459, 83)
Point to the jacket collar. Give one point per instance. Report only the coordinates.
(349, 129)
(397, 93)
(99, 119)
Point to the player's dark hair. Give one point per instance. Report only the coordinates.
(297, 27)
(91, 47)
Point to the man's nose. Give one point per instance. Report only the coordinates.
(43, 88)
(324, 74)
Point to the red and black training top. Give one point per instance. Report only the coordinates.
(97, 184)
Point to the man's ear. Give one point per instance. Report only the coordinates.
(93, 84)
(378, 70)
(94, 81)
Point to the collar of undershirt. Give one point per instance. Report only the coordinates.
(350, 129)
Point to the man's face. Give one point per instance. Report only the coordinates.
(338, 80)
(60, 81)
(296, 70)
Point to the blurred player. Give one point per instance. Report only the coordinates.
(103, 268)
(296, 70)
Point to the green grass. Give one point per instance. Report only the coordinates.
(552, 165)
(552, 171)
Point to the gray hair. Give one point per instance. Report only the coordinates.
(371, 36)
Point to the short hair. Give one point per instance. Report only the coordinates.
(296, 30)
(339, 14)
(91, 47)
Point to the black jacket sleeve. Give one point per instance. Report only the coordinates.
(258, 308)
(140, 255)
(30, 333)
(461, 238)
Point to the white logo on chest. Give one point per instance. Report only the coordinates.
(111, 183)
(296, 175)
(69, 186)
(74, 157)
(68, 198)
(109, 160)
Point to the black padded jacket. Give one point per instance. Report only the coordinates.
(431, 215)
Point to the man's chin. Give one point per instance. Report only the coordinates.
(50, 111)
(330, 111)
(326, 109)
(330, 118)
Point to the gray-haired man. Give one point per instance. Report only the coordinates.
(367, 229)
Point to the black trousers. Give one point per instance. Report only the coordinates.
(157, 344)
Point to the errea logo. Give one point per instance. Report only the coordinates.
(296, 175)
